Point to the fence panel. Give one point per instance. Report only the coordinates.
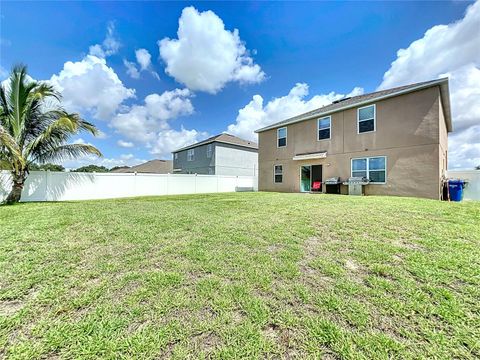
(63, 186)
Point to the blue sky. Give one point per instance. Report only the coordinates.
(286, 58)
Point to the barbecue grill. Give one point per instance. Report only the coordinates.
(356, 185)
(332, 185)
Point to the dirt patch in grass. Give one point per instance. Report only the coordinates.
(10, 307)
(205, 342)
(311, 252)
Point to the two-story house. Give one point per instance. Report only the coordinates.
(223, 154)
(397, 138)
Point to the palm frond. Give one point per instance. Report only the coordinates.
(4, 105)
(7, 141)
(66, 152)
(19, 97)
(34, 129)
(62, 125)
(44, 90)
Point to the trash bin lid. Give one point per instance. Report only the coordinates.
(456, 182)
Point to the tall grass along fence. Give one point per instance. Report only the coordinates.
(472, 190)
(62, 186)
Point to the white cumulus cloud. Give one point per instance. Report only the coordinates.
(451, 50)
(125, 144)
(132, 70)
(149, 125)
(90, 86)
(170, 139)
(144, 58)
(206, 56)
(144, 61)
(256, 114)
(109, 46)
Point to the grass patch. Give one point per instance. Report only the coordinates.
(240, 275)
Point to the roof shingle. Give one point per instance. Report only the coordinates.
(150, 167)
(223, 138)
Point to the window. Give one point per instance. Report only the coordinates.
(323, 128)
(175, 156)
(373, 168)
(366, 119)
(209, 151)
(278, 174)
(190, 154)
(282, 137)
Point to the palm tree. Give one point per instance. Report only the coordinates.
(34, 128)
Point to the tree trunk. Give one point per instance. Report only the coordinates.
(17, 187)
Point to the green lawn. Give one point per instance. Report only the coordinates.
(240, 275)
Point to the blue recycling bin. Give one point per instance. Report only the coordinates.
(455, 188)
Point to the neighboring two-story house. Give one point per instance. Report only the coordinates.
(222, 154)
(397, 138)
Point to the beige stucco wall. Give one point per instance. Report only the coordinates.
(408, 132)
(443, 141)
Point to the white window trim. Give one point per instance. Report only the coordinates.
(374, 119)
(368, 167)
(209, 151)
(193, 155)
(329, 127)
(286, 137)
(275, 182)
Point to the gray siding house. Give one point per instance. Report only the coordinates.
(222, 154)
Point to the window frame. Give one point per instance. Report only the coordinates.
(209, 151)
(374, 119)
(329, 117)
(192, 152)
(286, 137)
(367, 158)
(274, 174)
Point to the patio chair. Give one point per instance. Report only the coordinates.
(316, 186)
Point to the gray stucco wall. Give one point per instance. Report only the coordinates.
(200, 164)
(226, 160)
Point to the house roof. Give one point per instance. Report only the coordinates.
(354, 101)
(150, 167)
(223, 138)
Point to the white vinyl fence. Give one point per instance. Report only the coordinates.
(62, 186)
(472, 190)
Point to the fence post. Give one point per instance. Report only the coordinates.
(168, 183)
(217, 184)
(195, 183)
(135, 183)
(47, 181)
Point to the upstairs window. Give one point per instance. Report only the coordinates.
(282, 137)
(209, 151)
(373, 168)
(323, 128)
(175, 156)
(278, 174)
(366, 119)
(190, 154)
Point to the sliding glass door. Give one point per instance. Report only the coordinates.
(305, 178)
